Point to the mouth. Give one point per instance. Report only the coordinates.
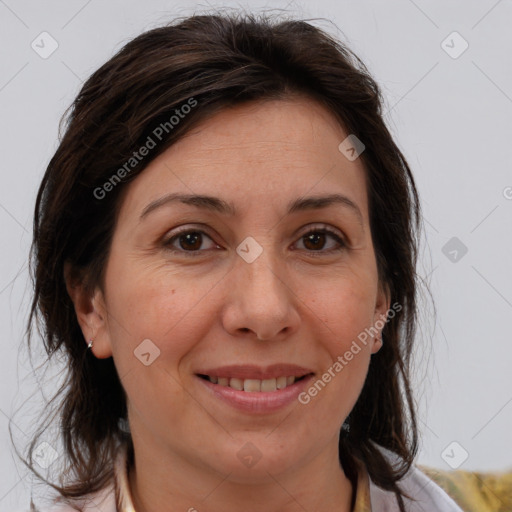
(254, 389)
(255, 385)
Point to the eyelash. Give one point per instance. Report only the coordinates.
(324, 230)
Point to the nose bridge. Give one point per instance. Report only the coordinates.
(260, 300)
(261, 274)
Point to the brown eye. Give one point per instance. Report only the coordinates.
(191, 240)
(315, 240)
(188, 241)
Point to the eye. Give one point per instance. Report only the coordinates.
(190, 241)
(315, 240)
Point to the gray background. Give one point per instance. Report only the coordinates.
(450, 116)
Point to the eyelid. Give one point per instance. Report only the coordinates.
(203, 229)
(322, 227)
(338, 236)
(189, 228)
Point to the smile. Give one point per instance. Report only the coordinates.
(254, 389)
(254, 385)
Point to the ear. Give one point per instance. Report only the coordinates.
(91, 313)
(382, 305)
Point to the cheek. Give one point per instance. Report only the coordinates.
(344, 312)
(346, 356)
(153, 303)
(344, 306)
(156, 303)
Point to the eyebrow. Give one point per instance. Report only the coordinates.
(218, 205)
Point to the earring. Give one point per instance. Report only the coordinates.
(345, 428)
(89, 346)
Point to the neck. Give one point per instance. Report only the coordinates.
(170, 483)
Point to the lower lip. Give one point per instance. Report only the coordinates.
(258, 401)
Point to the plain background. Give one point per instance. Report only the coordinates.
(450, 116)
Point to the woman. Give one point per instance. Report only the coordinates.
(224, 251)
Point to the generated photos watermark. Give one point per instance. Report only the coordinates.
(343, 360)
(156, 136)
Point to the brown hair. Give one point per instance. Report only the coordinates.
(217, 60)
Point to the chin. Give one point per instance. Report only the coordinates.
(254, 459)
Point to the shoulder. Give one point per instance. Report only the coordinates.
(425, 494)
(104, 500)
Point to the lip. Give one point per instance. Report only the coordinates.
(256, 372)
(257, 402)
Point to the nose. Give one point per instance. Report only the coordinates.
(260, 302)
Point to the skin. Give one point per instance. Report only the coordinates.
(298, 302)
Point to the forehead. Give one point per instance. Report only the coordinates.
(262, 153)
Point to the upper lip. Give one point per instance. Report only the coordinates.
(256, 372)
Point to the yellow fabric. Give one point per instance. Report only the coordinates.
(473, 491)
(363, 503)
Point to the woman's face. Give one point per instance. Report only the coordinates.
(234, 287)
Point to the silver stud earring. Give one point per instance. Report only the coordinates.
(89, 346)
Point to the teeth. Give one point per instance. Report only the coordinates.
(281, 382)
(254, 385)
(269, 385)
(236, 384)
